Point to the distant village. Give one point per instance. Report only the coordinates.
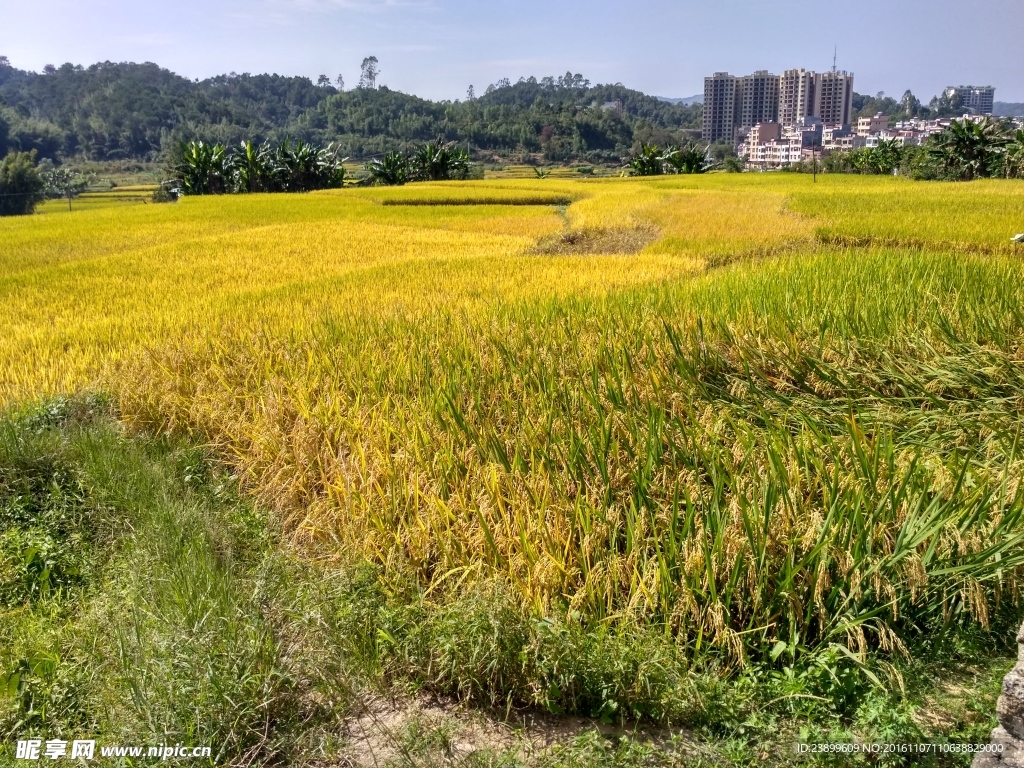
(781, 120)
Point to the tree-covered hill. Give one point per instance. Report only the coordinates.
(562, 120)
(111, 111)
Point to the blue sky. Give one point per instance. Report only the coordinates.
(436, 48)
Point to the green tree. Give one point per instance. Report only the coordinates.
(947, 105)
(123, 110)
(368, 73)
(910, 105)
(732, 164)
(21, 186)
(871, 105)
(840, 162)
(969, 149)
(66, 183)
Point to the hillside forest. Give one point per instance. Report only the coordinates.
(111, 111)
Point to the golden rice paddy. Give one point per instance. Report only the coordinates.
(751, 406)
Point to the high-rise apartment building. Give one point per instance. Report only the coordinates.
(734, 105)
(758, 97)
(798, 95)
(835, 97)
(720, 107)
(978, 100)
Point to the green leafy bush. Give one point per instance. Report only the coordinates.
(21, 186)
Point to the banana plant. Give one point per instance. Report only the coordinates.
(882, 159)
(201, 169)
(390, 170)
(1014, 163)
(298, 165)
(254, 168)
(688, 158)
(438, 161)
(648, 162)
(967, 150)
(330, 168)
(206, 169)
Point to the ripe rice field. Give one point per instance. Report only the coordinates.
(748, 409)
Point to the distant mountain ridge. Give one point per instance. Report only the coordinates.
(686, 101)
(1007, 109)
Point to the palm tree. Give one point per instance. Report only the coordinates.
(969, 149)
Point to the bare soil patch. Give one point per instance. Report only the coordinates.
(594, 240)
